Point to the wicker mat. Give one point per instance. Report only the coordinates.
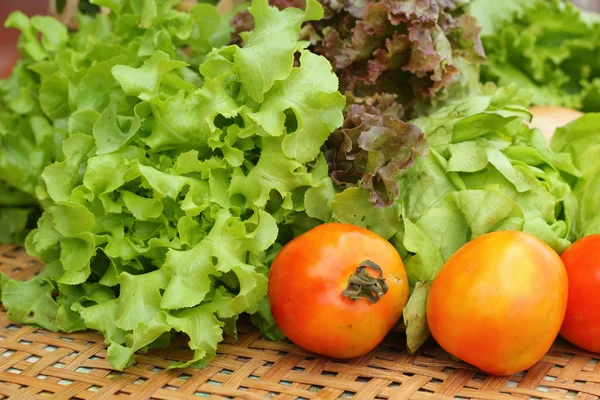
(35, 363)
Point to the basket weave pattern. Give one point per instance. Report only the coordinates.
(35, 363)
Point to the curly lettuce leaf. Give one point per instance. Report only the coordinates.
(308, 124)
(165, 206)
(549, 47)
(492, 15)
(393, 60)
(409, 51)
(370, 149)
(270, 46)
(60, 71)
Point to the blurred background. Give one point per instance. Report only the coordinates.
(8, 37)
(590, 5)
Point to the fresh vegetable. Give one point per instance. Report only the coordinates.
(499, 301)
(63, 82)
(370, 149)
(172, 166)
(18, 214)
(582, 320)
(395, 59)
(550, 47)
(337, 290)
(486, 171)
(177, 183)
(581, 139)
(393, 53)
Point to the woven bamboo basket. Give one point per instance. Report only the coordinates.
(35, 363)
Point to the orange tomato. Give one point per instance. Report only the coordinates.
(582, 321)
(337, 290)
(499, 301)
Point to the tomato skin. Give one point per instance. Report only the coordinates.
(582, 321)
(499, 301)
(306, 282)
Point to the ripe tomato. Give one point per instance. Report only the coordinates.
(499, 301)
(582, 321)
(337, 290)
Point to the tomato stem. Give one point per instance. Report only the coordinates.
(362, 284)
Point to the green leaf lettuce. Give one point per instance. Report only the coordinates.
(176, 184)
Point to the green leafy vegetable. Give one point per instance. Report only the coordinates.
(371, 148)
(550, 47)
(403, 51)
(581, 139)
(172, 165)
(18, 214)
(175, 184)
(394, 59)
(63, 82)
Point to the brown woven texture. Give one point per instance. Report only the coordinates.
(35, 363)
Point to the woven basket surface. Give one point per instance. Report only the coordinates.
(35, 363)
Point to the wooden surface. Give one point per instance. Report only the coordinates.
(35, 363)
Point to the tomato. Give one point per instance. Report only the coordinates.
(499, 301)
(337, 290)
(582, 321)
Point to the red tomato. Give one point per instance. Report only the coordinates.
(582, 321)
(499, 301)
(337, 290)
